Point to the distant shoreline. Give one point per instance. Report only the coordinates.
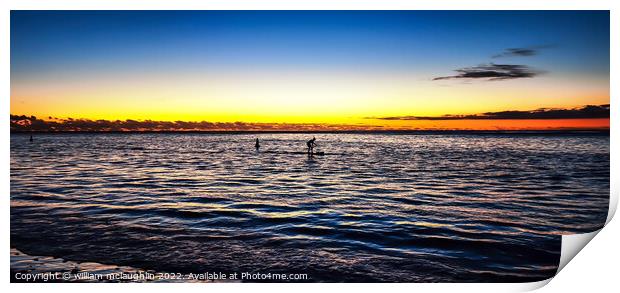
(393, 132)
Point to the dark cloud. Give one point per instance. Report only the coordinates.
(521, 52)
(493, 71)
(32, 123)
(585, 112)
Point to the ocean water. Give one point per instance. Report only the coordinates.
(376, 208)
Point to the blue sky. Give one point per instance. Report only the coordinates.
(384, 40)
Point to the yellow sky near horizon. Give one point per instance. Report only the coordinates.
(291, 98)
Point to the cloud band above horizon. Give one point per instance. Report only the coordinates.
(585, 112)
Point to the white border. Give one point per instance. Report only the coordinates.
(603, 269)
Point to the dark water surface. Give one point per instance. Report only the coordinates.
(376, 207)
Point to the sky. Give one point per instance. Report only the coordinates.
(312, 67)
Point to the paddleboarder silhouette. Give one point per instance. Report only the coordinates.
(311, 144)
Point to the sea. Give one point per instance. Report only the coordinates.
(376, 207)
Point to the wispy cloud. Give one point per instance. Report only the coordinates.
(522, 52)
(585, 112)
(493, 71)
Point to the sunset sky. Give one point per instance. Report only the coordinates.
(324, 67)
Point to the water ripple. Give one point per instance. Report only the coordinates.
(374, 208)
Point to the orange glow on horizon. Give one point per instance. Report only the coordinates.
(365, 125)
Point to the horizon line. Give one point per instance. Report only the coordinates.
(386, 131)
